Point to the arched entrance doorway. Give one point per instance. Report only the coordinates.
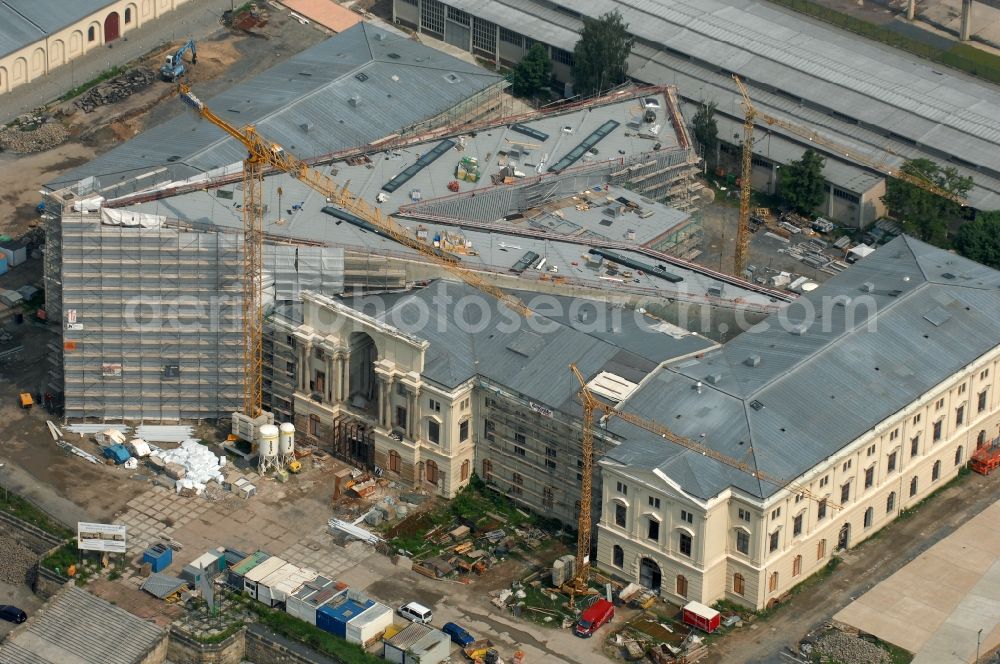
(112, 27)
(362, 390)
(650, 575)
(844, 539)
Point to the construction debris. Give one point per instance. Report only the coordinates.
(116, 89)
(32, 133)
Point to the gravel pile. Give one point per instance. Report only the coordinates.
(116, 89)
(17, 562)
(32, 134)
(846, 649)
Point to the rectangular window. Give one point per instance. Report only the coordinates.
(743, 542)
(519, 438)
(869, 477)
(847, 465)
(891, 463)
(775, 513)
(981, 404)
(622, 488)
(621, 512)
(400, 417)
(484, 37)
(823, 482)
(488, 428)
(821, 549)
(960, 415)
(894, 435)
(916, 419)
(744, 515)
(653, 530)
(821, 510)
(984, 374)
(871, 450)
(687, 516)
(938, 428)
(845, 492)
(518, 450)
(797, 526)
(435, 406)
(654, 502)
(550, 464)
(685, 544)
(463, 430)
(458, 16)
(961, 388)
(550, 452)
(559, 55)
(940, 404)
(773, 545)
(511, 37)
(400, 389)
(936, 471)
(915, 446)
(433, 432)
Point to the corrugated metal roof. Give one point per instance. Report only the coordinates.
(24, 22)
(250, 562)
(162, 585)
(264, 569)
(947, 114)
(405, 639)
(305, 104)
(818, 385)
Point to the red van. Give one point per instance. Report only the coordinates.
(597, 614)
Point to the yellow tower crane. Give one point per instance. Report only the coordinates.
(263, 154)
(592, 404)
(750, 116)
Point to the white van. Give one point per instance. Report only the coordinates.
(417, 613)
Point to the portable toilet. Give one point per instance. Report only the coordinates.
(159, 557)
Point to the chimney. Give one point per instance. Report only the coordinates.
(752, 361)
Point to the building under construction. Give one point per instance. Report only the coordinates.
(144, 244)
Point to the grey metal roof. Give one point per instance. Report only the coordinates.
(315, 103)
(23, 22)
(530, 357)
(908, 105)
(819, 385)
(161, 585)
(76, 627)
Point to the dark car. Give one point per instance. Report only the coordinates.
(14, 614)
(458, 634)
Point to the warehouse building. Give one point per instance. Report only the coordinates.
(882, 106)
(869, 406)
(36, 36)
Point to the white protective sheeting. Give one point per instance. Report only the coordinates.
(200, 465)
(112, 217)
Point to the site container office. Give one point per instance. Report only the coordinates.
(252, 579)
(366, 628)
(303, 602)
(334, 618)
(275, 587)
(418, 644)
(698, 615)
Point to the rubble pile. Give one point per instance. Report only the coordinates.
(116, 89)
(16, 561)
(837, 646)
(32, 133)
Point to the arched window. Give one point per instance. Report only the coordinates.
(869, 517)
(128, 15)
(465, 470)
(91, 34)
(958, 455)
(981, 439)
(739, 585)
(431, 469)
(682, 585)
(890, 503)
(395, 461)
(913, 486)
(796, 565)
(618, 556)
(772, 583)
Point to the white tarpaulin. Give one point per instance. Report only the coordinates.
(112, 217)
(88, 204)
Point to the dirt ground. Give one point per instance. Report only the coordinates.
(224, 59)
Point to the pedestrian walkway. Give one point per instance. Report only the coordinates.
(195, 19)
(936, 605)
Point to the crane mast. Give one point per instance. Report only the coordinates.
(742, 249)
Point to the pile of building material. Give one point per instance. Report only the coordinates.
(841, 647)
(32, 133)
(116, 89)
(198, 463)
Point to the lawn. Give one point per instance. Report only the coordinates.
(18, 507)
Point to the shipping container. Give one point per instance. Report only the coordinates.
(698, 615)
(368, 627)
(303, 603)
(16, 252)
(251, 579)
(333, 618)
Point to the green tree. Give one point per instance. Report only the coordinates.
(600, 58)
(802, 183)
(979, 240)
(531, 74)
(706, 131)
(924, 213)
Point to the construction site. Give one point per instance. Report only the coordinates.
(361, 336)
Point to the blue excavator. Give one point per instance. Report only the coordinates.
(173, 68)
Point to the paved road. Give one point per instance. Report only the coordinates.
(197, 19)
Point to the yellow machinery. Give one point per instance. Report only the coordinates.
(295, 467)
(750, 115)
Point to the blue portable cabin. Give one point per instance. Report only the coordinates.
(333, 618)
(159, 557)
